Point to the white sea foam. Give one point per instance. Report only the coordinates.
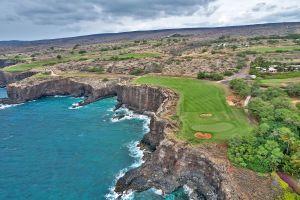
(188, 191)
(134, 151)
(5, 106)
(8, 137)
(75, 106)
(156, 191)
(58, 96)
(110, 110)
(137, 154)
(131, 115)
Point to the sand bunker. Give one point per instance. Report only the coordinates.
(231, 100)
(206, 115)
(203, 136)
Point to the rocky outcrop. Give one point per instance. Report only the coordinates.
(7, 78)
(6, 62)
(169, 163)
(22, 92)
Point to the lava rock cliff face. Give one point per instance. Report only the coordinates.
(7, 78)
(169, 163)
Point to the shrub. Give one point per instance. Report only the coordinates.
(241, 87)
(136, 71)
(154, 68)
(216, 77)
(98, 69)
(105, 79)
(210, 76)
(298, 106)
(82, 52)
(59, 57)
(293, 90)
(228, 73)
(201, 75)
(241, 64)
(76, 46)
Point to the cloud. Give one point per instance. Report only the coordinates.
(38, 19)
(263, 7)
(65, 12)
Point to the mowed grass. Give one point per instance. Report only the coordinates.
(202, 97)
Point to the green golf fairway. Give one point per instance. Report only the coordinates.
(202, 97)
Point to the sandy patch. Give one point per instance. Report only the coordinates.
(295, 101)
(231, 100)
(203, 136)
(206, 115)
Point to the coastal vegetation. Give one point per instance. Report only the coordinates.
(82, 56)
(275, 143)
(203, 108)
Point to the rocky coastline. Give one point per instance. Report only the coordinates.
(169, 163)
(7, 77)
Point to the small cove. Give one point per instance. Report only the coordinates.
(49, 151)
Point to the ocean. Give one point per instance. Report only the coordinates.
(50, 151)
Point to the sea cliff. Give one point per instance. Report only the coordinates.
(7, 77)
(169, 163)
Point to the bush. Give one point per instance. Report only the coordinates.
(210, 76)
(59, 57)
(241, 64)
(228, 73)
(298, 106)
(82, 52)
(154, 68)
(136, 71)
(240, 86)
(293, 90)
(216, 77)
(105, 79)
(98, 70)
(201, 75)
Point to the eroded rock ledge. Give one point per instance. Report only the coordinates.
(7, 78)
(169, 163)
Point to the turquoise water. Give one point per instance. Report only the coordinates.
(49, 151)
(3, 93)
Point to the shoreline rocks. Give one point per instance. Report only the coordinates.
(7, 78)
(169, 163)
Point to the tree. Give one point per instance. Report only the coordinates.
(272, 93)
(241, 87)
(287, 136)
(261, 109)
(282, 102)
(293, 90)
(270, 152)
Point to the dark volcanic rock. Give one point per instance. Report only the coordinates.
(5, 63)
(169, 163)
(7, 78)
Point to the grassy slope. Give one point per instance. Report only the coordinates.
(76, 57)
(265, 49)
(279, 82)
(199, 97)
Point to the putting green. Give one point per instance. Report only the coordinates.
(199, 97)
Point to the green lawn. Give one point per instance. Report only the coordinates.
(202, 97)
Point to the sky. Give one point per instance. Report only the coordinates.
(45, 19)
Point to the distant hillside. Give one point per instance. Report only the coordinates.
(246, 30)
